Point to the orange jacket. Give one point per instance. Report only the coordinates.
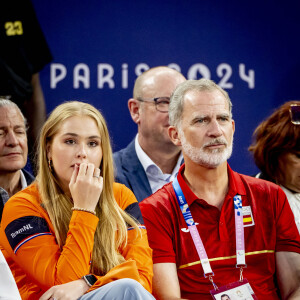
(29, 245)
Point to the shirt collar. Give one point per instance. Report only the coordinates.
(188, 193)
(290, 194)
(23, 180)
(236, 185)
(145, 160)
(149, 166)
(4, 193)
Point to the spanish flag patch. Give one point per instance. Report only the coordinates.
(248, 216)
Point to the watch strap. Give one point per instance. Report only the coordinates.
(89, 279)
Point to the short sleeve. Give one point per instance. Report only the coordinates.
(160, 233)
(288, 238)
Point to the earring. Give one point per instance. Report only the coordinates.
(50, 164)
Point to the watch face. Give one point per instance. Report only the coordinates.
(91, 279)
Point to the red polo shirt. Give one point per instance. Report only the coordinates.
(269, 226)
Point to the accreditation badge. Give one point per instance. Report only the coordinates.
(240, 290)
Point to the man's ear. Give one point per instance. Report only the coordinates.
(174, 135)
(134, 109)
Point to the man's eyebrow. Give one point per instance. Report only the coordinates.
(224, 115)
(15, 127)
(201, 116)
(19, 126)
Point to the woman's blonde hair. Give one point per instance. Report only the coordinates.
(111, 232)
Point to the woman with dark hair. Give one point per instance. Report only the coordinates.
(276, 151)
(74, 228)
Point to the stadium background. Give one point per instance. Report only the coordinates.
(251, 48)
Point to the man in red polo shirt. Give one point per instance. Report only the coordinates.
(213, 229)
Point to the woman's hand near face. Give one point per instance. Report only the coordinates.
(86, 186)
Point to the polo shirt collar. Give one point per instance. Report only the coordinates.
(190, 197)
(236, 185)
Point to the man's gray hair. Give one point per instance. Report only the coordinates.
(8, 103)
(201, 85)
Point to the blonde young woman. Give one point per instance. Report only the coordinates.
(74, 228)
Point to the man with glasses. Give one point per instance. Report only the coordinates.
(151, 159)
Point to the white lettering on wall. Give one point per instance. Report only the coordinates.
(175, 67)
(248, 78)
(124, 76)
(140, 68)
(54, 78)
(224, 71)
(106, 73)
(81, 73)
(198, 68)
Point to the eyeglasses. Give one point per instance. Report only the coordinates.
(295, 113)
(5, 97)
(161, 103)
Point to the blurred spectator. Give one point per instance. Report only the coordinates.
(13, 151)
(8, 287)
(151, 159)
(23, 54)
(276, 151)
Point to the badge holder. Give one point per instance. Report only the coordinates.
(239, 290)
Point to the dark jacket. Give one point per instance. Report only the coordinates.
(28, 177)
(129, 171)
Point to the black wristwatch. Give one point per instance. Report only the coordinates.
(89, 279)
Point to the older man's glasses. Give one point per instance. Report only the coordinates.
(295, 113)
(161, 103)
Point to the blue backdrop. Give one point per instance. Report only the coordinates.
(250, 48)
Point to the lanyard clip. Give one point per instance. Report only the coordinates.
(210, 277)
(210, 274)
(241, 271)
